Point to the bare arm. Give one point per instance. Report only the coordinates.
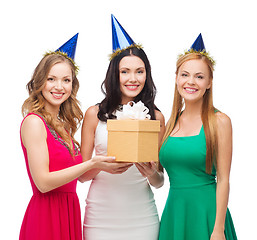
(224, 158)
(87, 140)
(153, 171)
(34, 136)
(87, 146)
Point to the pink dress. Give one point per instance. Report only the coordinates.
(54, 215)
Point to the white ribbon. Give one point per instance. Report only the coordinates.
(133, 110)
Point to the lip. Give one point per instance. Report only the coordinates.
(57, 95)
(190, 90)
(132, 87)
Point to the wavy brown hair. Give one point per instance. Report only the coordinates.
(70, 114)
(207, 115)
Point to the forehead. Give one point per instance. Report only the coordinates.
(61, 68)
(131, 61)
(194, 65)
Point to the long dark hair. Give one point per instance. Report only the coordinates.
(111, 86)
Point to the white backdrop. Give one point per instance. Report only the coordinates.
(165, 28)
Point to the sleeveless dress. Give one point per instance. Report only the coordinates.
(190, 210)
(54, 215)
(119, 206)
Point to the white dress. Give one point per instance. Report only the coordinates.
(119, 206)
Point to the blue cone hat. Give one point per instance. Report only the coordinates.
(198, 47)
(198, 44)
(69, 47)
(120, 38)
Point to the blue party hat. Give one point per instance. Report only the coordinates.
(198, 47)
(69, 47)
(198, 44)
(67, 50)
(120, 38)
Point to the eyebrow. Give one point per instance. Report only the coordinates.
(129, 68)
(68, 76)
(195, 73)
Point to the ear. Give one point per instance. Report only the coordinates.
(209, 85)
(176, 79)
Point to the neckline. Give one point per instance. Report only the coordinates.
(190, 136)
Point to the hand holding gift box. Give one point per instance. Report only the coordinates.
(133, 137)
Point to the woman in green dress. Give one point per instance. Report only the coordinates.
(196, 153)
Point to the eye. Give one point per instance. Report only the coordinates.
(200, 77)
(140, 71)
(50, 79)
(184, 74)
(67, 80)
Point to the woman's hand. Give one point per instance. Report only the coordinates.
(218, 235)
(108, 164)
(147, 169)
(150, 171)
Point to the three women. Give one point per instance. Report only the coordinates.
(197, 149)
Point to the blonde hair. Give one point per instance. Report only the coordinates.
(207, 115)
(70, 113)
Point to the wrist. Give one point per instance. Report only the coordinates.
(92, 163)
(219, 228)
(153, 174)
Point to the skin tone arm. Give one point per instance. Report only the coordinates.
(34, 136)
(87, 144)
(224, 158)
(150, 170)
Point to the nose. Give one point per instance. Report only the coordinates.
(58, 85)
(133, 77)
(191, 80)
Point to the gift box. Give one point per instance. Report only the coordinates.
(133, 140)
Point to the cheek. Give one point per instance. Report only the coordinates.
(142, 83)
(46, 89)
(122, 79)
(205, 85)
(180, 82)
(47, 86)
(69, 89)
(142, 79)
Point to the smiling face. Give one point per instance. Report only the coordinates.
(193, 79)
(58, 86)
(132, 75)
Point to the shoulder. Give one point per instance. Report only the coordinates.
(222, 120)
(90, 117)
(33, 122)
(33, 128)
(92, 111)
(224, 124)
(159, 115)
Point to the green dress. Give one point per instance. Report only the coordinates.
(190, 209)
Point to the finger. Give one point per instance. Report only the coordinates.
(109, 159)
(120, 170)
(121, 165)
(141, 170)
(145, 165)
(154, 165)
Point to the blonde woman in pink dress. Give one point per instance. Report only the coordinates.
(51, 153)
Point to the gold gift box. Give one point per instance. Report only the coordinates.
(133, 140)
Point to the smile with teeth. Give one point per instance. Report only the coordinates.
(57, 95)
(190, 90)
(132, 87)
